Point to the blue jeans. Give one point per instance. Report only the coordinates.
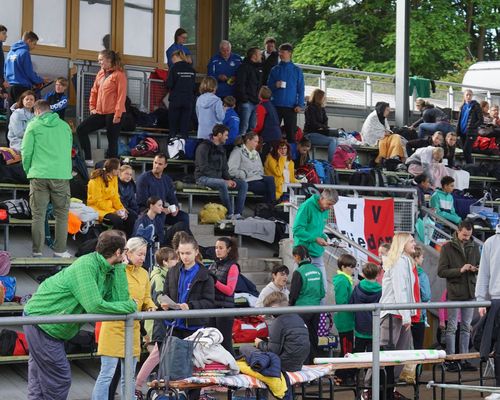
(428, 128)
(465, 328)
(221, 185)
(108, 367)
(320, 263)
(248, 119)
(264, 187)
(318, 139)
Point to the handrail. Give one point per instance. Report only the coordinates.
(357, 188)
(345, 239)
(449, 224)
(375, 308)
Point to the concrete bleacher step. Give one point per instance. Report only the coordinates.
(259, 278)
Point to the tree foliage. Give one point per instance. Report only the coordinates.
(445, 35)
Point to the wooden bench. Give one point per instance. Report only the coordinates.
(41, 262)
(13, 222)
(190, 193)
(11, 308)
(14, 188)
(6, 360)
(143, 161)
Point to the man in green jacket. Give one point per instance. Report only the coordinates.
(458, 264)
(96, 283)
(309, 226)
(46, 156)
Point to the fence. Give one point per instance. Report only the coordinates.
(129, 319)
(364, 89)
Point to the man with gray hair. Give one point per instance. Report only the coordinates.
(46, 157)
(309, 226)
(223, 66)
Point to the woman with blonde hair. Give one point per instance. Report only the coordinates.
(112, 334)
(399, 285)
(209, 108)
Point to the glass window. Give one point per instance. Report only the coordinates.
(94, 24)
(11, 13)
(138, 28)
(49, 22)
(180, 14)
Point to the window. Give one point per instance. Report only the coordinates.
(11, 13)
(49, 22)
(94, 24)
(138, 28)
(180, 14)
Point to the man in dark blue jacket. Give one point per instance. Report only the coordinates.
(287, 84)
(157, 183)
(19, 71)
(223, 66)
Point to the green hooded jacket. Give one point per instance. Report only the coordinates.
(309, 225)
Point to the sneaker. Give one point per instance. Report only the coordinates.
(89, 163)
(366, 395)
(467, 366)
(63, 255)
(37, 255)
(493, 396)
(238, 216)
(451, 366)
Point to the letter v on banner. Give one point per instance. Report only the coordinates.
(365, 221)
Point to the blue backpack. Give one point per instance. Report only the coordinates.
(325, 171)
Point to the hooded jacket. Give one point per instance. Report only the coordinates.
(488, 279)
(109, 92)
(343, 287)
(209, 111)
(104, 199)
(248, 82)
(17, 125)
(367, 292)
(474, 120)
(127, 192)
(220, 66)
(309, 225)
(46, 148)
(210, 160)
(18, 67)
(443, 203)
(245, 164)
(293, 94)
(453, 256)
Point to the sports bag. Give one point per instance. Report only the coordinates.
(18, 208)
(9, 283)
(176, 148)
(4, 263)
(486, 145)
(13, 343)
(86, 214)
(344, 156)
(147, 147)
(246, 329)
(9, 156)
(212, 213)
(309, 172)
(325, 171)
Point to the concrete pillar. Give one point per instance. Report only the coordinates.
(402, 60)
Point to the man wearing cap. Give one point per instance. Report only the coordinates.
(286, 81)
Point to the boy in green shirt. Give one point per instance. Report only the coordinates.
(344, 321)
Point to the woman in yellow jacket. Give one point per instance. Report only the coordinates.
(111, 346)
(279, 165)
(104, 197)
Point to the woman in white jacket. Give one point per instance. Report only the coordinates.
(376, 131)
(427, 160)
(245, 163)
(399, 285)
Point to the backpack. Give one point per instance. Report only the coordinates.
(309, 172)
(325, 171)
(4, 263)
(18, 208)
(83, 342)
(367, 177)
(9, 283)
(486, 145)
(344, 156)
(212, 213)
(247, 329)
(176, 148)
(13, 343)
(86, 214)
(147, 147)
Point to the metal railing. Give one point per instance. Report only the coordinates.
(129, 319)
(364, 89)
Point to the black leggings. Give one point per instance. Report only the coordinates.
(289, 117)
(312, 321)
(418, 334)
(125, 225)
(225, 326)
(93, 123)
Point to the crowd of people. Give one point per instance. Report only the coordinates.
(241, 106)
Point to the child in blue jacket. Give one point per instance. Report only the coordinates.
(231, 119)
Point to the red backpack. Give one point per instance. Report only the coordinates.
(309, 172)
(147, 147)
(343, 157)
(13, 343)
(484, 143)
(246, 329)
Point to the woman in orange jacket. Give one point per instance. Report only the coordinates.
(103, 196)
(107, 104)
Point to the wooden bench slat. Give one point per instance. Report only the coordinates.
(462, 356)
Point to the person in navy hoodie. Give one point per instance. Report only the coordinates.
(57, 98)
(180, 38)
(268, 122)
(223, 66)
(287, 84)
(19, 71)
